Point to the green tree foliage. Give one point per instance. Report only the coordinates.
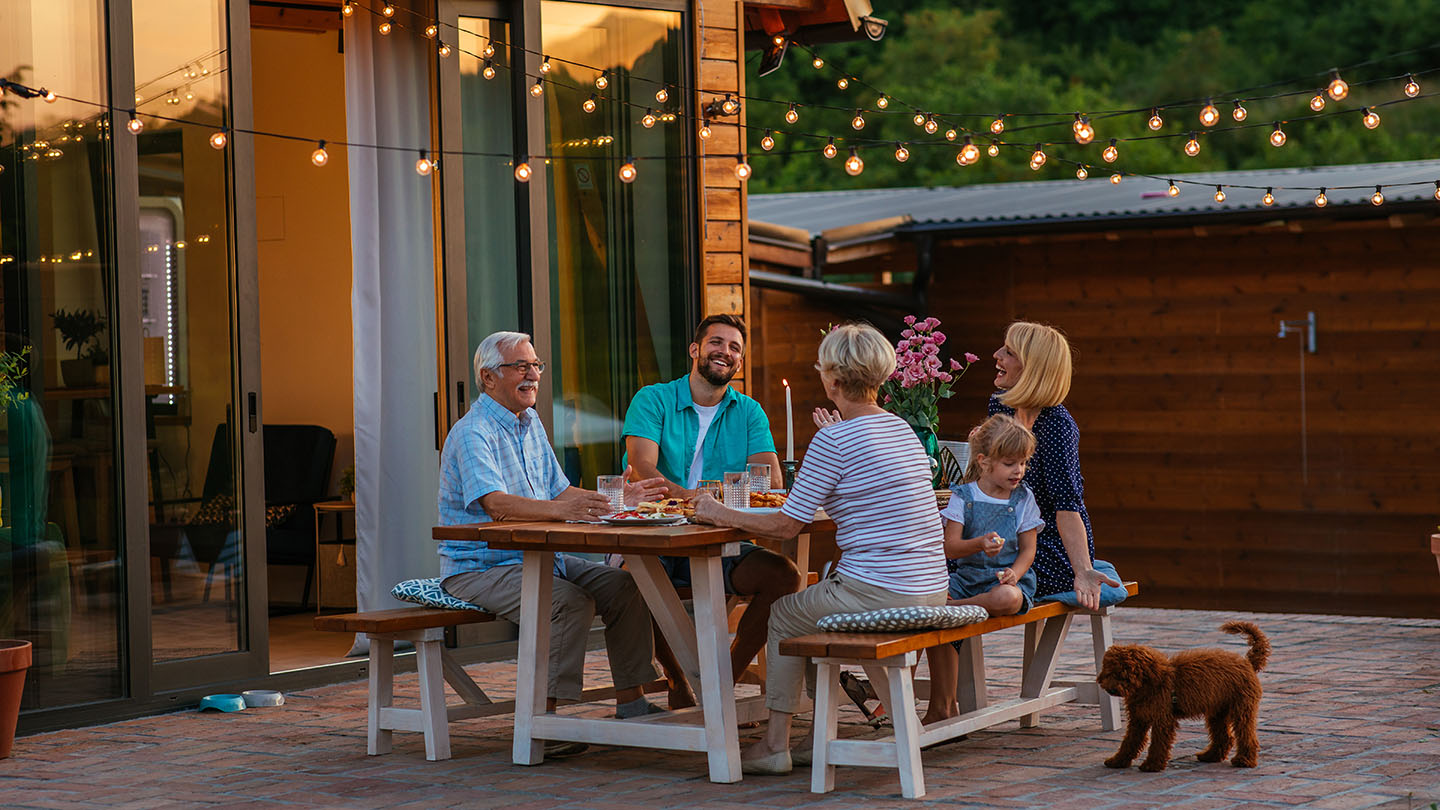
(981, 57)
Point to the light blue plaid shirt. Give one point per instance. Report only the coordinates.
(492, 450)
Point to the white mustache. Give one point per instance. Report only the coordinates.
(528, 386)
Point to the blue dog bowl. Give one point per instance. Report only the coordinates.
(224, 703)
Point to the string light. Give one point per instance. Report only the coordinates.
(1370, 118)
(218, 139)
(883, 101)
(489, 71)
(1277, 138)
(538, 88)
(853, 164)
(1219, 194)
(1320, 199)
(1111, 153)
(843, 83)
(385, 28)
(767, 141)
(858, 122)
(729, 106)
(601, 82)
(627, 170)
(1173, 190)
(1155, 122)
(993, 150)
(998, 125)
(1208, 114)
(1192, 146)
(970, 151)
(1378, 198)
(792, 115)
(829, 151)
(648, 119)
(489, 49)
(589, 104)
(1239, 113)
(388, 10)
(817, 62)
(544, 64)
(1337, 89)
(431, 31)
(424, 165)
(662, 95)
(319, 157)
(951, 134)
(49, 96)
(919, 118)
(1080, 173)
(135, 125)
(1269, 198)
(522, 170)
(1317, 101)
(1115, 179)
(1084, 133)
(901, 153)
(1437, 189)
(742, 170)
(931, 126)
(1412, 87)
(443, 50)
(348, 9)
(1038, 159)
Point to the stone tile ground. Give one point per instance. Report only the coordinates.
(1350, 719)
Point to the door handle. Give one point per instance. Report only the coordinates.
(254, 420)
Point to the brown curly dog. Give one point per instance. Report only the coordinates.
(1216, 684)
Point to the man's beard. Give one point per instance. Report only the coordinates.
(716, 378)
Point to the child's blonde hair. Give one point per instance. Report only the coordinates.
(1000, 436)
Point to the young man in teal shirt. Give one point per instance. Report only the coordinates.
(694, 429)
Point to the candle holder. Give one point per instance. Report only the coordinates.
(787, 470)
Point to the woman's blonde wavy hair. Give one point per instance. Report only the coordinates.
(1044, 355)
(1001, 436)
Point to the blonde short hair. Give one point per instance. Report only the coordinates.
(859, 358)
(1044, 355)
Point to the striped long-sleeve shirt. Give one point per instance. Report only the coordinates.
(872, 477)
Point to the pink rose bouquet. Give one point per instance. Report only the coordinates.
(921, 377)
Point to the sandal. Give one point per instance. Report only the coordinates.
(859, 691)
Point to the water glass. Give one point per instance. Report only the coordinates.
(759, 477)
(613, 488)
(711, 488)
(737, 489)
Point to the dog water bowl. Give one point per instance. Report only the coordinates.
(224, 703)
(262, 697)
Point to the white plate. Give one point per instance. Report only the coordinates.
(758, 510)
(650, 521)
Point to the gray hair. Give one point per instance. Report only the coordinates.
(491, 352)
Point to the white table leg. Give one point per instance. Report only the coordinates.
(668, 611)
(382, 692)
(712, 638)
(532, 675)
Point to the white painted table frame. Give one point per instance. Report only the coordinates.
(892, 678)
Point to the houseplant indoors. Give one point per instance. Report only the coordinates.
(15, 654)
(80, 330)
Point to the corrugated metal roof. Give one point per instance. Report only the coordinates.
(1057, 201)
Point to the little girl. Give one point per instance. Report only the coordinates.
(991, 524)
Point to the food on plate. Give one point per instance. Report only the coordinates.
(668, 506)
(767, 500)
(637, 514)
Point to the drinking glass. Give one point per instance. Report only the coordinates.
(759, 477)
(737, 489)
(711, 488)
(613, 488)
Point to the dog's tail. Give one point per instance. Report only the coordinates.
(1259, 644)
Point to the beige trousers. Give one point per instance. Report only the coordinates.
(586, 587)
(797, 615)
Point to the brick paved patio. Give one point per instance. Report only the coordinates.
(1350, 719)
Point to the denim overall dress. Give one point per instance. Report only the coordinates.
(975, 574)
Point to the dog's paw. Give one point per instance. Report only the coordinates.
(1244, 762)
(1117, 762)
(1152, 767)
(1210, 756)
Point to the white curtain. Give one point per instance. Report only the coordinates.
(387, 90)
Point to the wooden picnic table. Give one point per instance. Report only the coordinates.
(702, 646)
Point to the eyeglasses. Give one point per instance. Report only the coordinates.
(523, 366)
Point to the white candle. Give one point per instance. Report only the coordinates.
(789, 424)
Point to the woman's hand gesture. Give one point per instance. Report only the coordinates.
(1087, 587)
(824, 417)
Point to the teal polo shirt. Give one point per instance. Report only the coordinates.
(665, 414)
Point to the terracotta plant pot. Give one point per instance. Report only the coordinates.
(14, 661)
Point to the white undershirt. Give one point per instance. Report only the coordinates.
(707, 415)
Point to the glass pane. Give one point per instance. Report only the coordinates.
(620, 256)
(181, 74)
(60, 556)
(492, 279)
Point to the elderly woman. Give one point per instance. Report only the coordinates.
(870, 474)
(1033, 375)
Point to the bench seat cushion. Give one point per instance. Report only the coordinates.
(917, 617)
(428, 592)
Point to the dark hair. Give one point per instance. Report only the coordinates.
(733, 321)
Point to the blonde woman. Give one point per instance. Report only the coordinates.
(870, 474)
(1033, 375)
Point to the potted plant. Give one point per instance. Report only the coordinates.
(80, 330)
(14, 661)
(920, 381)
(347, 484)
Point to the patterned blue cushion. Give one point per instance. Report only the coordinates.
(428, 592)
(918, 617)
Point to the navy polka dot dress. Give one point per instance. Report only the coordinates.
(1054, 476)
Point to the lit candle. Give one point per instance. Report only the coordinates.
(789, 424)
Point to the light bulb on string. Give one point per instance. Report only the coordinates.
(901, 153)
(1378, 198)
(662, 95)
(218, 139)
(1277, 137)
(817, 62)
(883, 101)
(778, 39)
(853, 164)
(931, 126)
(1192, 146)
(589, 105)
(385, 28)
(1208, 114)
(319, 157)
(1111, 153)
(858, 122)
(767, 141)
(648, 119)
(951, 134)
(729, 106)
(1412, 87)
(48, 96)
(627, 170)
(843, 83)
(742, 169)
(792, 115)
(1269, 198)
(1081, 173)
(1239, 113)
(1370, 118)
(705, 131)
(489, 71)
(1437, 190)
(423, 166)
(348, 9)
(1084, 132)
(1337, 89)
(1115, 179)
(522, 170)
(998, 125)
(489, 50)
(431, 31)
(135, 125)
(1155, 122)
(993, 150)
(538, 88)
(1038, 158)
(601, 82)
(544, 64)
(918, 119)
(388, 10)
(970, 151)
(1173, 190)
(1320, 199)
(1317, 101)
(1219, 194)
(829, 151)
(443, 50)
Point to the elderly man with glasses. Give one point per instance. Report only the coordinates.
(498, 465)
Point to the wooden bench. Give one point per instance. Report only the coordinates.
(888, 659)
